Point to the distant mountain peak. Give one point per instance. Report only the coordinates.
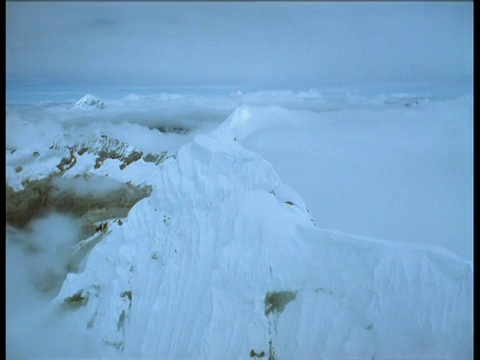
(88, 102)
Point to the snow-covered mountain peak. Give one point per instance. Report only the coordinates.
(88, 102)
(221, 259)
(223, 247)
(237, 124)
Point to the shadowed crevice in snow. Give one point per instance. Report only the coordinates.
(276, 301)
(175, 129)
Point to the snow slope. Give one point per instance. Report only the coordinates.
(224, 261)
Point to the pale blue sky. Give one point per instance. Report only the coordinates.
(268, 45)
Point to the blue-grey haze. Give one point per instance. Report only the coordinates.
(242, 44)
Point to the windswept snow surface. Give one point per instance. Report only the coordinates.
(224, 261)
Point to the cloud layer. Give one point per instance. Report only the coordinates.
(235, 44)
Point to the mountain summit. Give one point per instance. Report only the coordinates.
(222, 246)
(88, 102)
(190, 246)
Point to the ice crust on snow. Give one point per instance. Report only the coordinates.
(188, 272)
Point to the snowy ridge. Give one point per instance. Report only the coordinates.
(71, 155)
(223, 261)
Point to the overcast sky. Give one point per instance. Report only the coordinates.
(239, 44)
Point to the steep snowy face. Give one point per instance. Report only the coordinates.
(89, 102)
(223, 261)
